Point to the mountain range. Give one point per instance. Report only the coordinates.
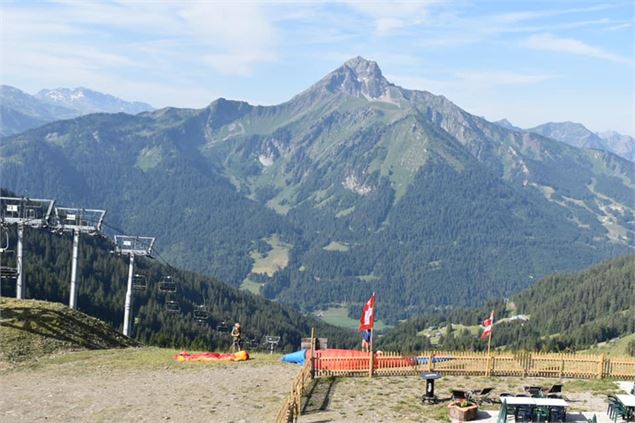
(20, 111)
(578, 135)
(354, 185)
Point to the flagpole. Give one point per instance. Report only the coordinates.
(370, 367)
(372, 336)
(489, 344)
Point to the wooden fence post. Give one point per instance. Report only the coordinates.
(601, 367)
(312, 356)
(430, 362)
(562, 369)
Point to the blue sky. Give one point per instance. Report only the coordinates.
(529, 61)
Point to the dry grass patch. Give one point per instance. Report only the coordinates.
(398, 398)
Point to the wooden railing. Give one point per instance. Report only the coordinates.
(291, 408)
(580, 366)
(462, 363)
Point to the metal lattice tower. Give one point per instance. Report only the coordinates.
(21, 211)
(132, 246)
(77, 220)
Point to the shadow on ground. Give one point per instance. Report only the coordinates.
(319, 395)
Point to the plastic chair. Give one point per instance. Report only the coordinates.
(620, 411)
(558, 414)
(534, 392)
(524, 413)
(542, 414)
(610, 409)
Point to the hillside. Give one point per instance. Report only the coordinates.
(102, 284)
(561, 312)
(30, 329)
(354, 185)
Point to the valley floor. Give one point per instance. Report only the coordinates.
(143, 385)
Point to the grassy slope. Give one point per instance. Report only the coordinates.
(615, 347)
(338, 316)
(30, 329)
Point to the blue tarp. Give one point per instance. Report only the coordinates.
(294, 357)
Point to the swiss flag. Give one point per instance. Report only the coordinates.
(368, 314)
(488, 323)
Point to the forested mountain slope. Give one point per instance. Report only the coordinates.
(102, 278)
(561, 312)
(353, 186)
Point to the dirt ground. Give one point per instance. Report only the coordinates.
(147, 385)
(84, 390)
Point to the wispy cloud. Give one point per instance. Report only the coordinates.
(241, 34)
(389, 16)
(549, 42)
(620, 26)
(471, 80)
(497, 77)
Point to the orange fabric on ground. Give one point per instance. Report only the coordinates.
(212, 356)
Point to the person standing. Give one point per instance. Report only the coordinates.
(236, 337)
(366, 335)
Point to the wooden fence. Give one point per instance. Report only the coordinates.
(291, 408)
(580, 366)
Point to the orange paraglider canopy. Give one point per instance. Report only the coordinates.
(212, 356)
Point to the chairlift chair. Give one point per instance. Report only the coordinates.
(167, 284)
(4, 239)
(223, 327)
(201, 315)
(7, 272)
(139, 282)
(172, 306)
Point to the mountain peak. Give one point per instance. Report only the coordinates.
(357, 77)
(364, 68)
(504, 123)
